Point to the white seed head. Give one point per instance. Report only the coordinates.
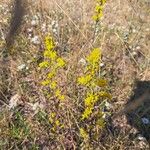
(21, 67)
(35, 40)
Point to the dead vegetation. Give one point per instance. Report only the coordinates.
(123, 35)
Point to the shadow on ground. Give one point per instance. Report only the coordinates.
(130, 123)
(139, 117)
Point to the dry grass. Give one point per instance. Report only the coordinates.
(123, 36)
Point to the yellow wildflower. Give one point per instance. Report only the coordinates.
(57, 123)
(53, 85)
(84, 80)
(60, 62)
(45, 82)
(83, 133)
(87, 112)
(57, 92)
(94, 56)
(97, 17)
(51, 74)
(49, 43)
(61, 97)
(52, 117)
(101, 82)
(101, 123)
(98, 8)
(50, 54)
(44, 64)
(104, 94)
(90, 100)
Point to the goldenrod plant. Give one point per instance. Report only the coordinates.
(52, 63)
(92, 117)
(65, 62)
(99, 10)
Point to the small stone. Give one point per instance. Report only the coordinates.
(55, 31)
(34, 22)
(134, 31)
(30, 30)
(108, 105)
(21, 67)
(147, 29)
(145, 120)
(134, 53)
(82, 61)
(14, 101)
(138, 47)
(141, 138)
(53, 22)
(43, 27)
(36, 107)
(35, 40)
(101, 64)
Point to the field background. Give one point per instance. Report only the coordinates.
(123, 36)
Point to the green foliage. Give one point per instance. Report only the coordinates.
(19, 128)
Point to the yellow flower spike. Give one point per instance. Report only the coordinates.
(50, 54)
(94, 57)
(101, 82)
(49, 43)
(98, 8)
(53, 114)
(57, 92)
(60, 62)
(51, 74)
(84, 80)
(53, 85)
(87, 112)
(90, 100)
(102, 2)
(101, 123)
(62, 97)
(57, 123)
(44, 64)
(45, 82)
(104, 94)
(83, 133)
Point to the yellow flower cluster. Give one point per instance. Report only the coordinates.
(95, 90)
(84, 80)
(83, 134)
(93, 61)
(54, 122)
(52, 63)
(99, 10)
